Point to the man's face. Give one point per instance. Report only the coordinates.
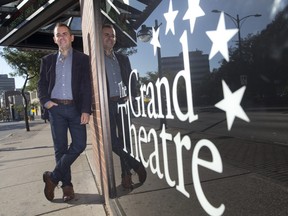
(63, 38)
(109, 38)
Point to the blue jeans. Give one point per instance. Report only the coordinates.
(62, 118)
(126, 160)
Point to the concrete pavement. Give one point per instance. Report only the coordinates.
(24, 156)
(254, 180)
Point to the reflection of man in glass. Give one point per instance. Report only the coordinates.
(118, 69)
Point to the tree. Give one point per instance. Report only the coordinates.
(26, 64)
(263, 61)
(4, 115)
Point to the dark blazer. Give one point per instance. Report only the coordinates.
(81, 82)
(125, 68)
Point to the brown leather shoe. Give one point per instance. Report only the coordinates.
(49, 186)
(142, 174)
(127, 182)
(68, 193)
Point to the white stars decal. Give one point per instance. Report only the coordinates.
(170, 17)
(220, 38)
(194, 11)
(155, 39)
(231, 104)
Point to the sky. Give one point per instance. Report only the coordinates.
(170, 46)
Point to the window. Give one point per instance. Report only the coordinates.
(213, 134)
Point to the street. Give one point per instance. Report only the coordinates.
(267, 127)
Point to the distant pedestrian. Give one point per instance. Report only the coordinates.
(64, 89)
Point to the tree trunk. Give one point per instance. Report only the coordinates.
(25, 105)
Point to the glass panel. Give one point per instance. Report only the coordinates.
(211, 115)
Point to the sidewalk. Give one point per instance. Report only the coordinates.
(24, 156)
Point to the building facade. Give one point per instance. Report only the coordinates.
(199, 65)
(6, 84)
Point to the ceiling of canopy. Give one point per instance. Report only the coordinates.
(30, 23)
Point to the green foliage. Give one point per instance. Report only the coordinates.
(149, 77)
(4, 114)
(127, 51)
(19, 108)
(26, 63)
(263, 59)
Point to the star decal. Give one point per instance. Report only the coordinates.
(155, 39)
(170, 17)
(194, 11)
(220, 38)
(231, 104)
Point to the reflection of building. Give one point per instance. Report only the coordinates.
(13, 101)
(6, 83)
(199, 65)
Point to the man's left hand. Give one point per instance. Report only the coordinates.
(85, 118)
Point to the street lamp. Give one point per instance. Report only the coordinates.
(145, 35)
(238, 22)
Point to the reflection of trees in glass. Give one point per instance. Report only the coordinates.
(181, 88)
(264, 61)
(208, 92)
(150, 76)
(127, 51)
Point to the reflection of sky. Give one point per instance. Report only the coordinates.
(145, 60)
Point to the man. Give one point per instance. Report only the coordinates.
(118, 69)
(64, 89)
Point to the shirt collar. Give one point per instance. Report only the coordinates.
(69, 52)
(61, 58)
(111, 56)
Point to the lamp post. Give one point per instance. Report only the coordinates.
(238, 22)
(145, 35)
